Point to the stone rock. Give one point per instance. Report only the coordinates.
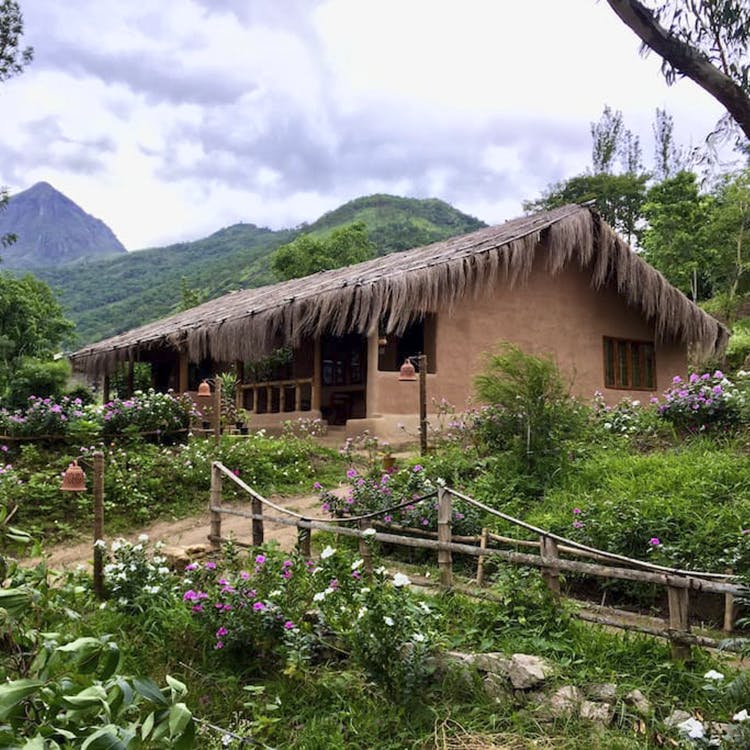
(603, 691)
(493, 662)
(599, 713)
(676, 717)
(198, 550)
(564, 702)
(497, 688)
(639, 702)
(525, 671)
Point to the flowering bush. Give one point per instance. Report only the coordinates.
(42, 417)
(702, 402)
(133, 575)
(370, 494)
(148, 412)
(287, 608)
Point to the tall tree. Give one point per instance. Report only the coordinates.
(309, 254)
(669, 158)
(13, 59)
(704, 40)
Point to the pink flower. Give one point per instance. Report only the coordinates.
(288, 625)
(577, 524)
(259, 606)
(654, 541)
(210, 565)
(260, 559)
(576, 511)
(221, 631)
(351, 473)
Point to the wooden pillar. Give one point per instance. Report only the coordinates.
(365, 550)
(183, 383)
(215, 502)
(730, 610)
(317, 384)
(422, 404)
(445, 557)
(257, 508)
(303, 540)
(297, 397)
(679, 620)
(130, 387)
(217, 411)
(282, 398)
(106, 386)
(98, 524)
(480, 560)
(550, 556)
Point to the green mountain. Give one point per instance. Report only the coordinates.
(109, 296)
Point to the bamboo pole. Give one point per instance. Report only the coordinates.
(679, 622)
(550, 559)
(215, 506)
(257, 507)
(365, 550)
(730, 610)
(98, 487)
(303, 538)
(445, 556)
(481, 558)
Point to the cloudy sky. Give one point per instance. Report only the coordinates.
(171, 119)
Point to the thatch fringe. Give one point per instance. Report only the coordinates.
(393, 291)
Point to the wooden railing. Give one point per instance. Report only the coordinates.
(550, 559)
(269, 386)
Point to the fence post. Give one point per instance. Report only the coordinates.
(729, 609)
(678, 620)
(480, 560)
(303, 540)
(257, 508)
(215, 502)
(550, 572)
(98, 488)
(445, 557)
(365, 551)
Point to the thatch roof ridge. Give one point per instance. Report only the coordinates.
(404, 286)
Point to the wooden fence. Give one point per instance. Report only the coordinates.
(553, 557)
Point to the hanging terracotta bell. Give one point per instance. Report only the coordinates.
(407, 371)
(74, 480)
(204, 389)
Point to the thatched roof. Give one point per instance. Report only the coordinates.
(402, 287)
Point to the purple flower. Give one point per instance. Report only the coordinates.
(576, 511)
(191, 566)
(654, 541)
(288, 625)
(219, 644)
(259, 606)
(260, 559)
(719, 374)
(210, 565)
(417, 468)
(317, 486)
(351, 473)
(244, 575)
(221, 631)
(676, 379)
(577, 524)
(189, 596)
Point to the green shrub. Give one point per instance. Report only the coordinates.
(39, 378)
(531, 414)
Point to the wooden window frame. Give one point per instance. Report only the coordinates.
(616, 345)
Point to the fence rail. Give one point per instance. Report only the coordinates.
(678, 583)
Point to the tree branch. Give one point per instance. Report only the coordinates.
(685, 59)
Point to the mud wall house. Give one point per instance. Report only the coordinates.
(561, 282)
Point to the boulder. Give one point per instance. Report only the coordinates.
(525, 671)
(639, 702)
(602, 691)
(564, 702)
(598, 713)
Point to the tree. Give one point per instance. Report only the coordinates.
(309, 254)
(704, 40)
(13, 59)
(668, 157)
(32, 323)
(676, 240)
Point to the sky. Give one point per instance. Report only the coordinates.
(170, 120)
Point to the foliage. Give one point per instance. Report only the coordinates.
(704, 402)
(147, 412)
(46, 378)
(308, 254)
(142, 379)
(290, 610)
(379, 492)
(706, 41)
(531, 413)
(32, 323)
(13, 59)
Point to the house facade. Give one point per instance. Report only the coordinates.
(559, 283)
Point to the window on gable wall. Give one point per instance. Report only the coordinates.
(629, 364)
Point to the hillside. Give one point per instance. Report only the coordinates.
(106, 297)
(51, 230)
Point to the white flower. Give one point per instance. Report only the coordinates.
(319, 596)
(418, 638)
(361, 613)
(163, 571)
(143, 537)
(152, 589)
(381, 570)
(159, 545)
(369, 532)
(692, 728)
(712, 674)
(101, 544)
(741, 716)
(400, 580)
(388, 621)
(424, 608)
(327, 552)
(275, 592)
(357, 564)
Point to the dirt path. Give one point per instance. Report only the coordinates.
(191, 531)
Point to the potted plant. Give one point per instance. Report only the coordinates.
(388, 459)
